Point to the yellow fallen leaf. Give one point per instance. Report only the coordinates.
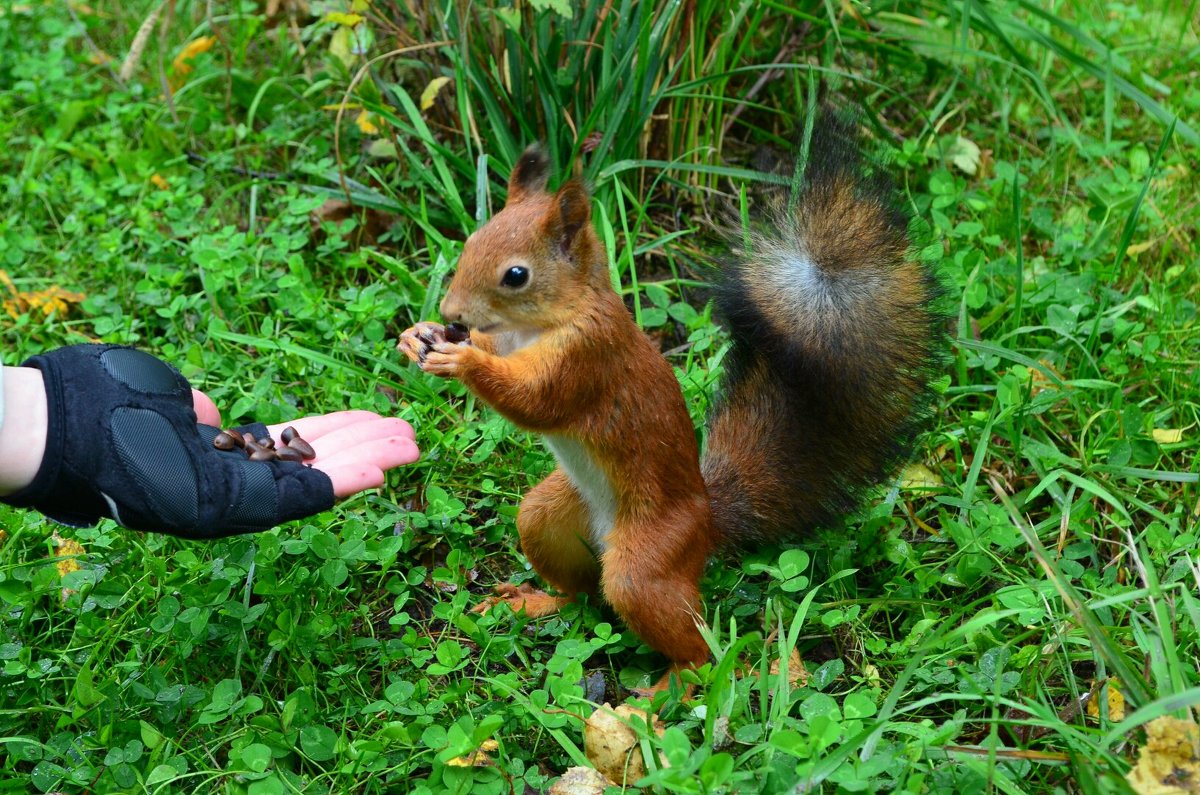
(477, 758)
(67, 549)
(382, 148)
(1116, 703)
(365, 124)
(1167, 764)
(181, 66)
(919, 476)
(431, 91)
(1167, 435)
(612, 745)
(159, 182)
(1137, 248)
(52, 299)
(341, 46)
(343, 19)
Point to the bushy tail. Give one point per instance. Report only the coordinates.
(835, 340)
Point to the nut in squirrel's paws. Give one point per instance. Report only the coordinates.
(420, 340)
(534, 602)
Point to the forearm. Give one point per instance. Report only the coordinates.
(484, 342)
(516, 389)
(23, 433)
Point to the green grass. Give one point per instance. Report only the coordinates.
(949, 632)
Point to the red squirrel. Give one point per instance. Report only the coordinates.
(835, 337)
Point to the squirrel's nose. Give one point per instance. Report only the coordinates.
(451, 309)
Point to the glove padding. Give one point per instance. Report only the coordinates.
(123, 442)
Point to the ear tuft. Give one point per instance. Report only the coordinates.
(529, 175)
(574, 207)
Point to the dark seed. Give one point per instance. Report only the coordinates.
(457, 332)
(288, 434)
(252, 445)
(303, 448)
(289, 454)
(236, 436)
(263, 455)
(223, 441)
(267, 442)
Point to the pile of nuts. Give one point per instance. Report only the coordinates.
(293, 448)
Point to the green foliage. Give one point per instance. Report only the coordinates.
(948, 634)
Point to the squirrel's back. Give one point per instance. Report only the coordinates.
(836, 336)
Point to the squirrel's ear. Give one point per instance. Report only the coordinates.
(529, 175)
(572, 210)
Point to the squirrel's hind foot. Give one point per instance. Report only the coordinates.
(536, 603)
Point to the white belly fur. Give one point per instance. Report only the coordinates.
(592, 484)
(512, 341)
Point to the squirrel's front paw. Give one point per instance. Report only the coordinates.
(448, 359)
(416, 342)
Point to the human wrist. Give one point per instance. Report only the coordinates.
(23, 434)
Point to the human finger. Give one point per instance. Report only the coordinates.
(315, 426)
(363, 466)
(207, 412)
(354, 434)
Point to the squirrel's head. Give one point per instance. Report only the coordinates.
(527, 268)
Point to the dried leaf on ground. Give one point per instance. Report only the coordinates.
(342, 18)
(477, 758)
(1167, 435)
(431, 91)
(66, 550)
(965, 155)
(371, 223)
(613, 746)
(797, 674)
(919, 476)
(52, 299)
(580, 781)
(365, 124)
(1169, 762)
(181, 67)
(1116, 703)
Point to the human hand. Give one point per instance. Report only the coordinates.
(122, 440)
(354, 448)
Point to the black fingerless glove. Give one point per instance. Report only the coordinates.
(123, 443)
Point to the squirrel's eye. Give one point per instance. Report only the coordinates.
(514, 277)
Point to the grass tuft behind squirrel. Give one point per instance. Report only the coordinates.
(835, 340)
